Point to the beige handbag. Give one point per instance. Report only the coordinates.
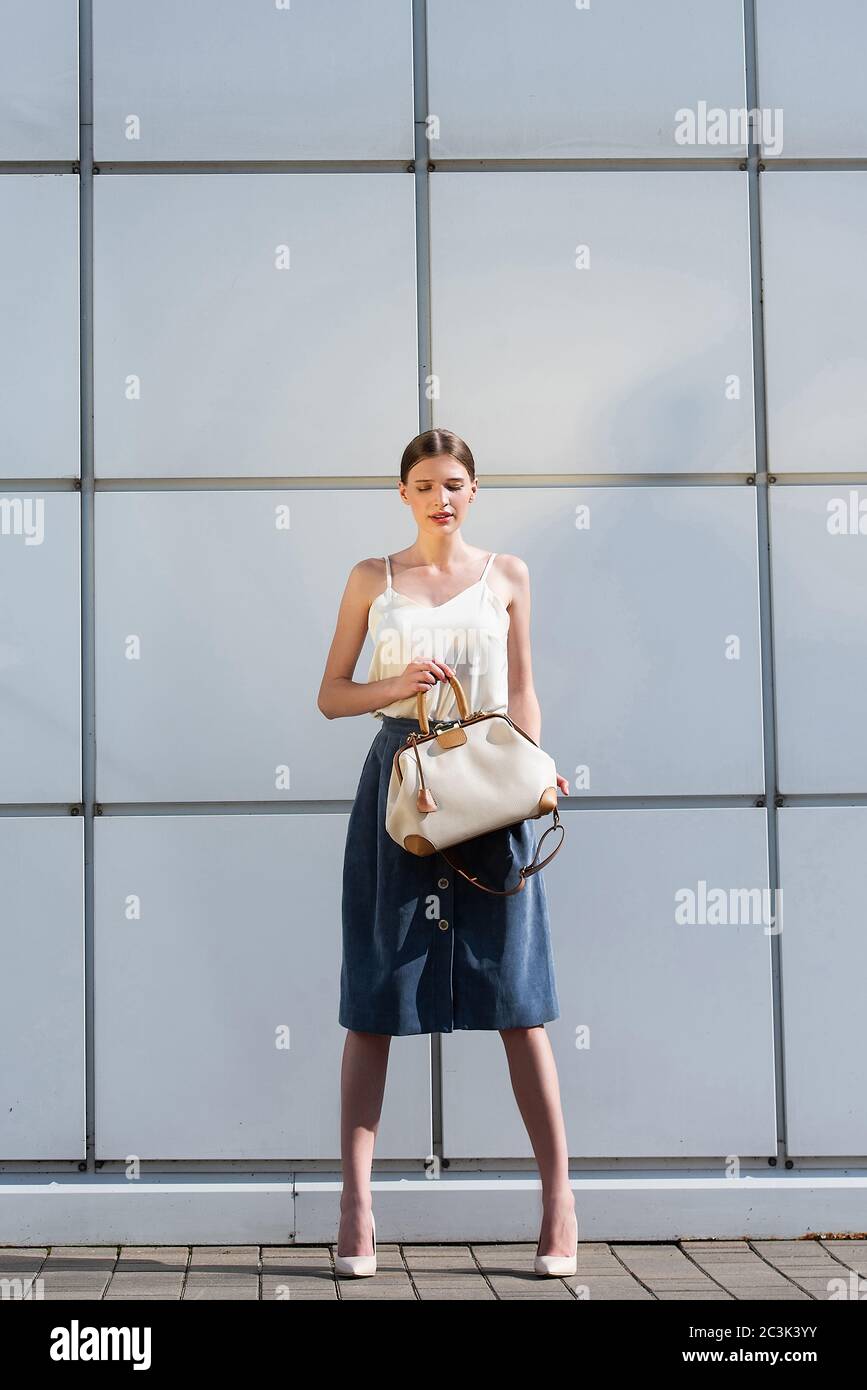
(464, 777)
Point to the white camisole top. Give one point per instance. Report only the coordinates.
(469, 632)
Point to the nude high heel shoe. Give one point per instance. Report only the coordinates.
(357, 1266)
(558, 1266)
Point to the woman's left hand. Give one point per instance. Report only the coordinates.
(562, 785)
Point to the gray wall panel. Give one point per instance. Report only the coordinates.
(664, 1043)
(811, 67)
(42, 1112)
(39, 339)
(645, 632)
(40, 638)
(215, 79)
(214, 615)
(814, 228)
(230, 310)
(556, 81)
(819, 571)
(39, 80)
(217, 969)
(823, 870)
(639, 361)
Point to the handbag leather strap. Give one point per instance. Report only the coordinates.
(524, 874)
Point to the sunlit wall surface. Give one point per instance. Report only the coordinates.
(247, 253)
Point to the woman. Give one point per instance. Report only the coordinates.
(424, 950)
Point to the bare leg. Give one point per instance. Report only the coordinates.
(533, 1073)
(362, 1086)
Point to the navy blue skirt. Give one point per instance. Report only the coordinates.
(424, 950)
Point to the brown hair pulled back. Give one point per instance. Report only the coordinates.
(433, 442)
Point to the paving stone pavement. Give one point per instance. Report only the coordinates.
(788, 1270)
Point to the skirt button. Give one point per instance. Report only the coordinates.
(444, 926)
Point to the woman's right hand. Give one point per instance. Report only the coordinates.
(420, 675)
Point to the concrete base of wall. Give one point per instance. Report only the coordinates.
(303, 1208)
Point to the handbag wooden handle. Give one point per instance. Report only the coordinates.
(427, 803)
(421, 704)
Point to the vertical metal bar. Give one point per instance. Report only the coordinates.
(425, 404)
(422, 209)
(766, 625)
(88, 712)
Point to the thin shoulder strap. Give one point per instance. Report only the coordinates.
(387, 573)
(491, 559)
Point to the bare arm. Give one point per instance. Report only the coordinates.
(339, 694)
(523, 703)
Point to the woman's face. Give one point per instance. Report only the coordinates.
(435, 487)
